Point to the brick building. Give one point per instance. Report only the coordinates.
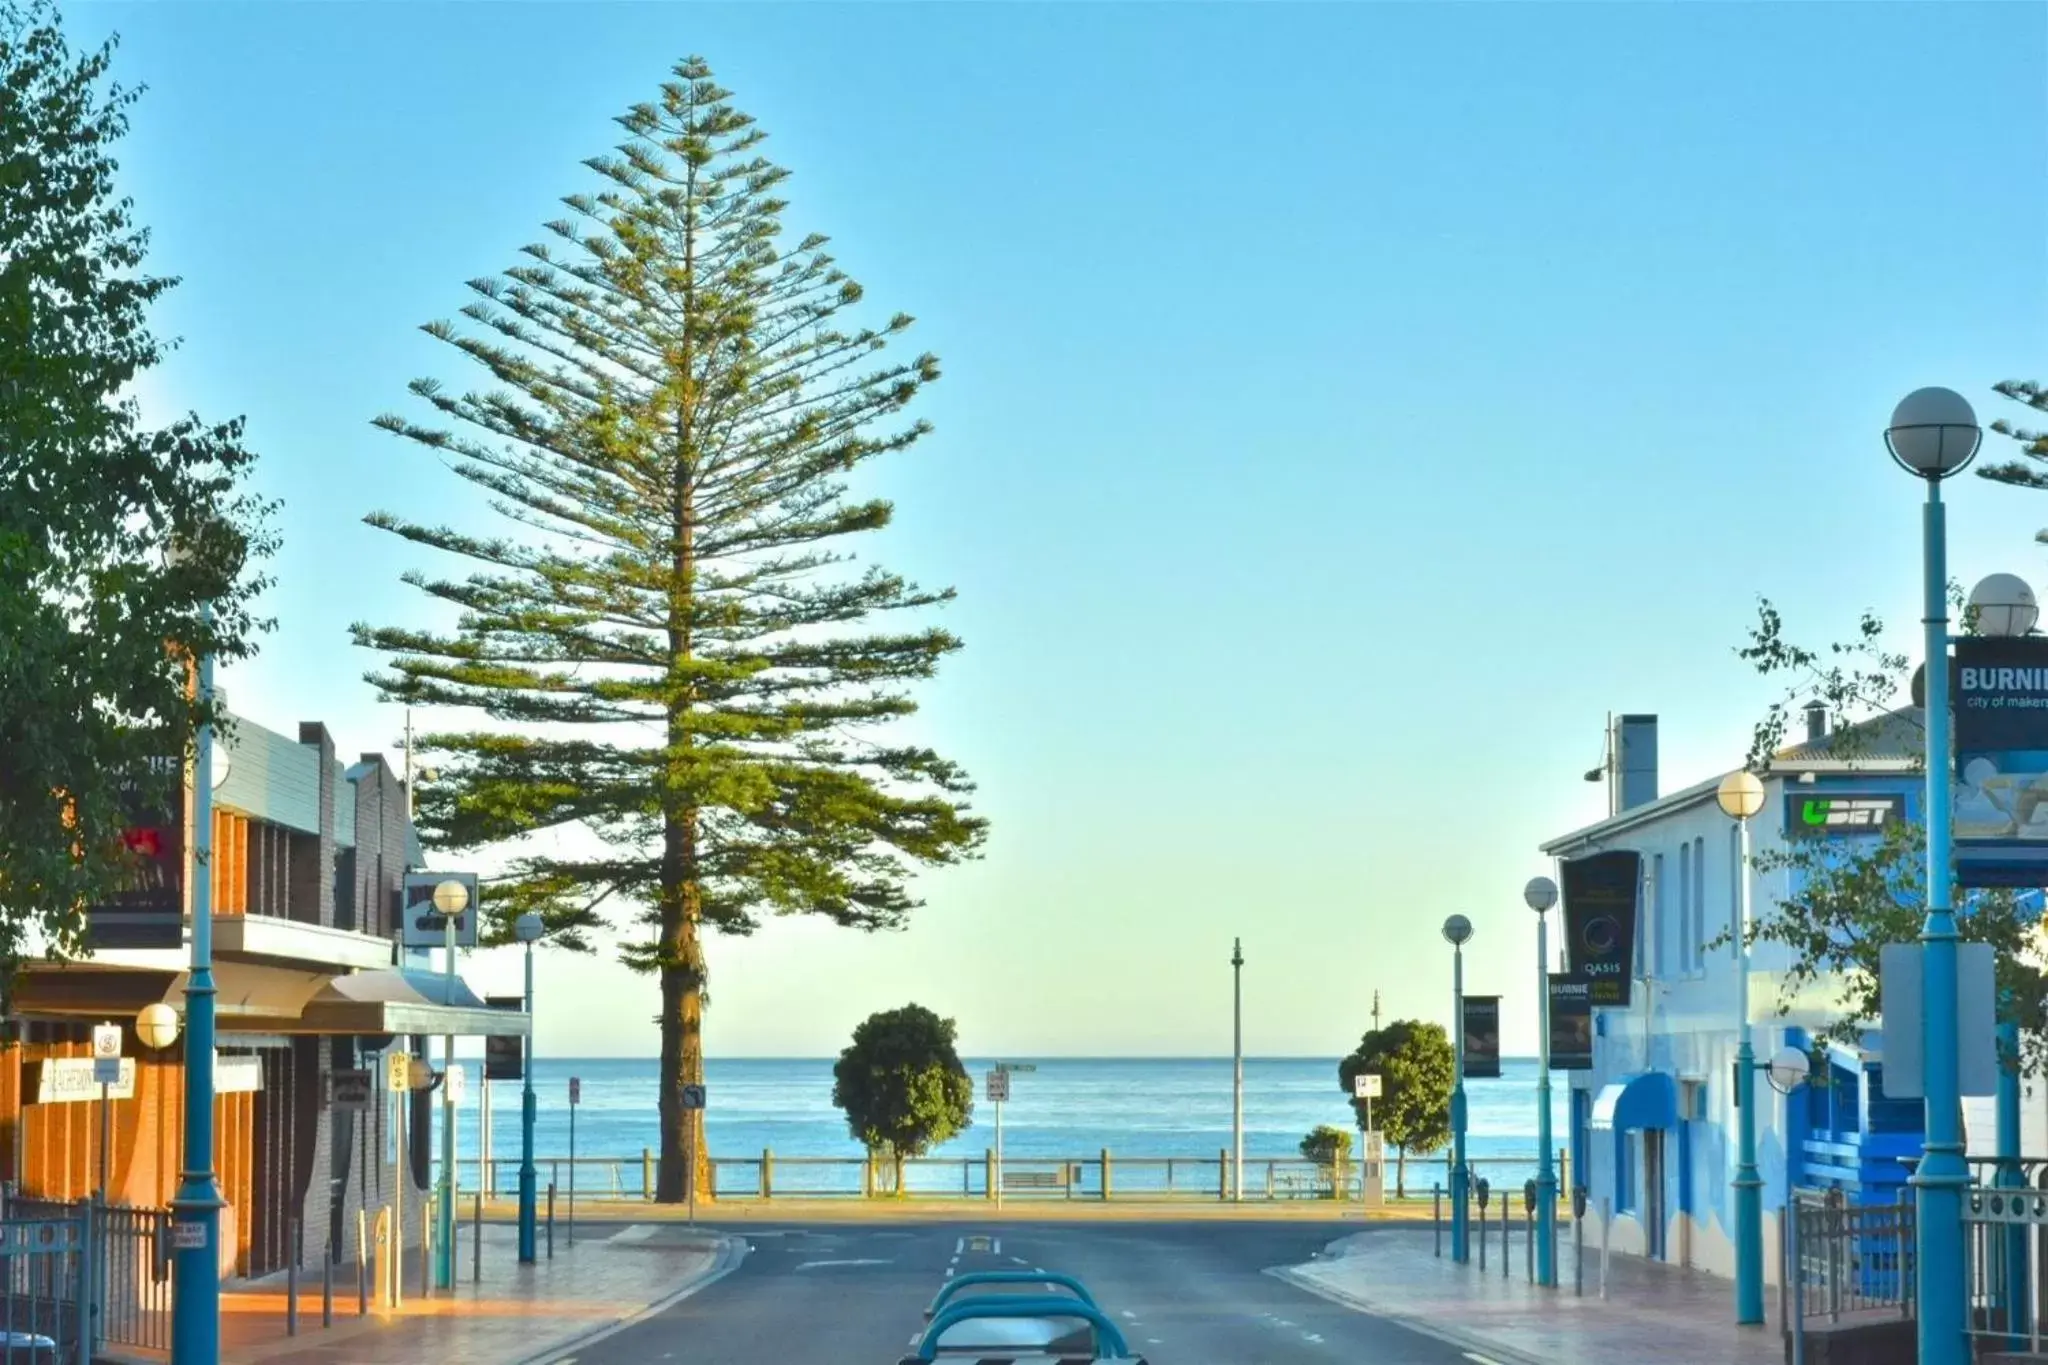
(309, 860)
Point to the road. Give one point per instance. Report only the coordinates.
(1184, 1294)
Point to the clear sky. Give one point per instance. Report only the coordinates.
(1345, 407)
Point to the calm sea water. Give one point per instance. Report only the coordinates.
(1068, 1108)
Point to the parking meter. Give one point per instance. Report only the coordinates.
(1578, 1201)
(1484, 1191)
(1529, 1196)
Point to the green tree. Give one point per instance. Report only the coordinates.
(1846, 900)
(97, 630)
(2033, 442)
(1417, 1068)
(685, 678)
(902, 1085)
(1328, 1144)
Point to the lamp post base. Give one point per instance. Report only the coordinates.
(195, 1270)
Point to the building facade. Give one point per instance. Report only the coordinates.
(1652, 1127)
(306, 874)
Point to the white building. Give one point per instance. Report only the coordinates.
(1653, 1126)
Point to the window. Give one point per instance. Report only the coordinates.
(1699, 904)
(1626, 1162)
(1651, 917)
(1678, 930)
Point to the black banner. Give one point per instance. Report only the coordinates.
(1600, 922)
(2001, 799)
(149, 912)
(505, 1055)
(1571, 1022)
(1482, 1036)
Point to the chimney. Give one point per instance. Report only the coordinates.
(1816, 721)
(1633, 774)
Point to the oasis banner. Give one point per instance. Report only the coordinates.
(1600, 922)
(1482, 1036)
(2001, 791)
(1571, 1022)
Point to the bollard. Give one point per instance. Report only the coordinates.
(1797, 1274)
(1529, 1233)
(291, 1277)
(362, 1263)
(1436, 1215)
(1506, 1210)
(1579, 1241)
(647, 1174)
(1606, 1222)
(1105, 1175)
(1482, 1190)
(551, 1220)
(767, 1173)
(476, 1243)
(327, 1287)
(427, 1248)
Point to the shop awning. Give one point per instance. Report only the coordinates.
(1646, 1100)
(401, 1000)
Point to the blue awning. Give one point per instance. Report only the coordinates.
(1646, 1100)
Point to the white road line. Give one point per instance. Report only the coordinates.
(1312, 1337)
(1021, 1261)
(1154, 1341)
(995, 1246)
(1129, 1314)
(1482, 1360)
(817, 1265)
(959, 1246)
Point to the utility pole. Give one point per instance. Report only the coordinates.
(1237, 1069)
(1375, 1011)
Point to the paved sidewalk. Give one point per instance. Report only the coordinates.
(1652, 1311)
(516, 1314)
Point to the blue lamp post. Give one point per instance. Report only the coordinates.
(527, 929)
(1539, 895)
(1934, 434)
(451, 898)
(1457, 932)
(1741, 796)
(195, 1212)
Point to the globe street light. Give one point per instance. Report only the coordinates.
(1539, 895)
(1458, 932)
(2002, 605)
(195, 1210)
(1934, 434)
(1741, 796)
(527, 929)
(156, 1025)
(451, 898)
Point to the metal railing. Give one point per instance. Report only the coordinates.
(771, 1175)
(134, 1246)
(2003, 1232)
(1845, 1262)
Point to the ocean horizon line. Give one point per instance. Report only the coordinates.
(539, 1056)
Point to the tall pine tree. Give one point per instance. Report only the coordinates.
(679, 670)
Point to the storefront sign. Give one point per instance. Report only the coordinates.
(349, 1090)
(505, 1056)
(1482, 1036)
(2001, 795)
(1571, 1023)
(1600, 922)
(1831, 816)
(149, 911)
(420, 925)
(67, 1080)
(237, 1075)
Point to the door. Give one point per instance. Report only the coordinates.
(1653, 1191)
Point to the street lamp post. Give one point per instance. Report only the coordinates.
(451, 898)
(527, 930)
(1539, 895)
(1741, 796)
(195, 1211)
(1934, 434)
(1457, 932)
(1237, 1069)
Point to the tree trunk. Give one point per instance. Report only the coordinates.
(900, 1192)
(1400, 1172)
(682, 1050)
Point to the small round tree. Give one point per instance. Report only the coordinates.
(901, 1084)
(1417, 1067)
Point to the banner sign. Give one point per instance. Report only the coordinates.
(420, 925)
(2001, 796)
(68, 1080)
(1600, 922)
(149, 912)
(1836, 815)
(505, 1056)
(1482, 1036)
(1571, 1022)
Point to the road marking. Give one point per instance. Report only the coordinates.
(959, 1246)
(1482, 1360)
(1154, 1341)
(818, 1265)
(1021, 1261)
(639, 1232)
(1315, 1338)
(1129, 1314)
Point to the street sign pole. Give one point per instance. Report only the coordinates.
(106, 1065)
(575, 1098)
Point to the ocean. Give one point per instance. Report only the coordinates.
(1070, 1107)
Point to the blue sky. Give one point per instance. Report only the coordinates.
(1345, 407)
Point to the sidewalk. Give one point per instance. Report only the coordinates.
(952, 1209)
(1652, 1311)
(516, 1314)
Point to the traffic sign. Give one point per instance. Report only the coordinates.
(457, 1082)
(106, 1041)
(693, 1097)
(998, 1086)
(397, 1071)
(106, 1071)
(1016, 1066)
(1365, 1085)
(575, 1090)
(187, 1235)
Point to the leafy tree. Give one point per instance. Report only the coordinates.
(97, 630)
(684, 676)
(1418, 1068)
(902, 1085)
(1847, 900)
(1328, 1144)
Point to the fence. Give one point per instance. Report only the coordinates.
(132, 1255)
(770, 1176)
(45, 1285)
(1848, 1262)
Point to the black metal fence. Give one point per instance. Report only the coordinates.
(131, 1253)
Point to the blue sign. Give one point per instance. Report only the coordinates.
(2001, 772)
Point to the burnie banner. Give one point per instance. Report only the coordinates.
(2001, 789)
(1600, 922)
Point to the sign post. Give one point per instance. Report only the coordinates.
(998, 1082)
(397, 1081)
(693, 1103)
(106, 1070)
(575, 1098)
(1368, 1086)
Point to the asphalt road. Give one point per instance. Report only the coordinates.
(1183, 1293)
